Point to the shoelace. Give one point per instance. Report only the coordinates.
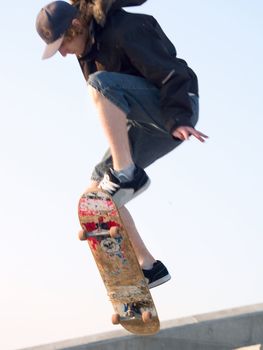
(107, 185)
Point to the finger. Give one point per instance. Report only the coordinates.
(203, 135)
(185, 134)
(178, 135)
(200, 136)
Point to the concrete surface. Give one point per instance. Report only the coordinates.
(224, 330)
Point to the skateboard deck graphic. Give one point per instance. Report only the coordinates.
(116, 260)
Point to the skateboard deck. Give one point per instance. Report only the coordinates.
(114, 255)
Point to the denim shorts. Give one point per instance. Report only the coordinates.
(140, 101)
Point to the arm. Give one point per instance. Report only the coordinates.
(154, 57)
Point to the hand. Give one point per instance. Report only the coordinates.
(184, 132)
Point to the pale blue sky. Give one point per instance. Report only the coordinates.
(203, 213)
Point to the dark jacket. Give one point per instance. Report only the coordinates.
(135, 44)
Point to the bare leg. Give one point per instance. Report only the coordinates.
(114, 124)
(144, 257)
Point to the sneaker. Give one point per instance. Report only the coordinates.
(157, 275)
(123, 192)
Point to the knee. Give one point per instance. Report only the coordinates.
(94, 94)
(98, 81)
(94, 185)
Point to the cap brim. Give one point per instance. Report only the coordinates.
(52, 48)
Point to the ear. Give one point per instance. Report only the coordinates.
(76, 23)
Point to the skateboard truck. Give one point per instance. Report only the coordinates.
(113, 232)
(132, 314)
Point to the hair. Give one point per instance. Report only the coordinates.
(97, 9)
(84, 16)
(85, 9)
(89, 9)
(73, 31)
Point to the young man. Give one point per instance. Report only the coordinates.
(146, 97)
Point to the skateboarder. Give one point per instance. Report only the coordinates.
(145, 96)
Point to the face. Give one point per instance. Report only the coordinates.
(75, 46)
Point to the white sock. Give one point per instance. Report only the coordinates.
(126, 174)
(147, 267)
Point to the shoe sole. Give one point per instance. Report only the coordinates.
(126, 195)
(159, 282)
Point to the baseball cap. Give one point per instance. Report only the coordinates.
(51, 24)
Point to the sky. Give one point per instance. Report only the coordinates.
(202, 215)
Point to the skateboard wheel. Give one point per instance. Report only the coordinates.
(82, 235)
(146, 316)
(115, 232)
(115, 319)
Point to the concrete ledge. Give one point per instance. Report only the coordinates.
(224, 330)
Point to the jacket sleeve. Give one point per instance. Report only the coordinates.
(154, 56)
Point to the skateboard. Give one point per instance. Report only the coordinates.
(114, 255)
